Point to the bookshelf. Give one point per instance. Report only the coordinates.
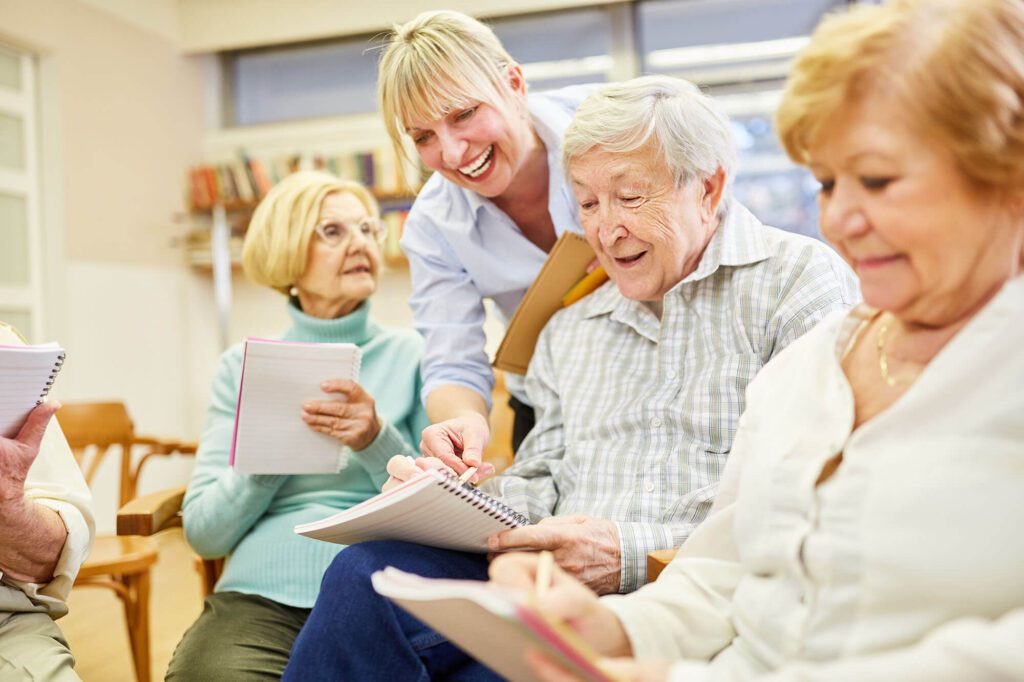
(237, 186)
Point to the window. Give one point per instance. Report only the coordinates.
(20, 258)
(339, 77)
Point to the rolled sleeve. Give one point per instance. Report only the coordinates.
(448, 310)
(56, 482)
(636, 541)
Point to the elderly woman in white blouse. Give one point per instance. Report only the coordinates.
(868, 524)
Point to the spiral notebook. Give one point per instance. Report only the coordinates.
(277, 378)
(433, 508)
(26, 375)
(494, 625)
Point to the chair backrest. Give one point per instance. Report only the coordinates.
(102, 425)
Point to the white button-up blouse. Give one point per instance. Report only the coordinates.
(906, 564)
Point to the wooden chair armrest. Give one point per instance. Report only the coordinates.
(166, 446)
(152, 513)
(657, 561)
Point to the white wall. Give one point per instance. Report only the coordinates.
(213, 25)
(121, 118)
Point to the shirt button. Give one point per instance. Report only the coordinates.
(649, 487)
(655, 422)
(671, 374)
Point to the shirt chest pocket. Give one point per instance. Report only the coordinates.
(711, 397)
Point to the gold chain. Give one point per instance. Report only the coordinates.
(883, 359)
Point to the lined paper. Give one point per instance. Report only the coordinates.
(26, 374)
(277, 378)
(428, 509)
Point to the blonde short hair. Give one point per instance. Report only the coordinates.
(957, 66)
(693, 135)
(437, 63)
(276, 245)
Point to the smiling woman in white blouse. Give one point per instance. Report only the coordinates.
(868, 521)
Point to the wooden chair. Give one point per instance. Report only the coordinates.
(657, 561)
(119, 563)
(147, 515)
(499, 450)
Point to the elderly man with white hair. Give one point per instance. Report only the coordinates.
(637, 388)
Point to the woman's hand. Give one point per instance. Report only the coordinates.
(567, 599)
(402, 467)
(623, 669)
(459, 443)
(351, 417)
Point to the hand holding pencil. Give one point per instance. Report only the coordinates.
(561, 597)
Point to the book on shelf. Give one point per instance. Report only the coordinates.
(270, 436)
(432, 508)
(494, 625)
(242, 181)
(27, 374)
(565, 267)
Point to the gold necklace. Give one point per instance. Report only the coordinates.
(883, 359)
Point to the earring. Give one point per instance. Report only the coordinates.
(293, 292)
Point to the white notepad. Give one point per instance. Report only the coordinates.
(26, 375)
(433, 508)
(494, 625)
(277, 378)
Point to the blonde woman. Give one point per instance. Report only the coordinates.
(317, 240)
(482, 225)
(871, 508)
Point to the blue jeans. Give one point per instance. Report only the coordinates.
(354, 633)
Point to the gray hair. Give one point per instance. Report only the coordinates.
(693, 135)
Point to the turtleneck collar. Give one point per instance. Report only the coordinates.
(356, 327)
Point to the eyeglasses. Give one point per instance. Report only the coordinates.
(335, 232)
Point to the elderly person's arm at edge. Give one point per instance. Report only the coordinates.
(46, 522)
(31, 535)
(448, 311)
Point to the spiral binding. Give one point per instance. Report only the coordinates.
(481, 500)
(53, 377)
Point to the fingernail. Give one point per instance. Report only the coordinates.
(493, 544)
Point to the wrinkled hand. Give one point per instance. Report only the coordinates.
(566, 599)
(402, 467)
(623, 669)
(459, 443)
(17, 454)
(586, 547)
(351, 417)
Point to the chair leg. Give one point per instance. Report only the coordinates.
(136, 611)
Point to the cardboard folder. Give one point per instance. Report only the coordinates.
(566, 265)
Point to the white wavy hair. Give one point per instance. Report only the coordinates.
(693, 135)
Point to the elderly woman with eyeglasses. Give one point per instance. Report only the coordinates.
(317, 240)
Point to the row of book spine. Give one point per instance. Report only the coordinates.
(245, 180)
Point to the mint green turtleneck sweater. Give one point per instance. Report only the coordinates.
(249, 518)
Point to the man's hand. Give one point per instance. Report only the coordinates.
(566, 599)
(351, 417)
(459, 443)
(586, 547)
(31, 535)
(17, 454)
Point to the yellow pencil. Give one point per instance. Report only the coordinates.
(543, 579)
(586, 285)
